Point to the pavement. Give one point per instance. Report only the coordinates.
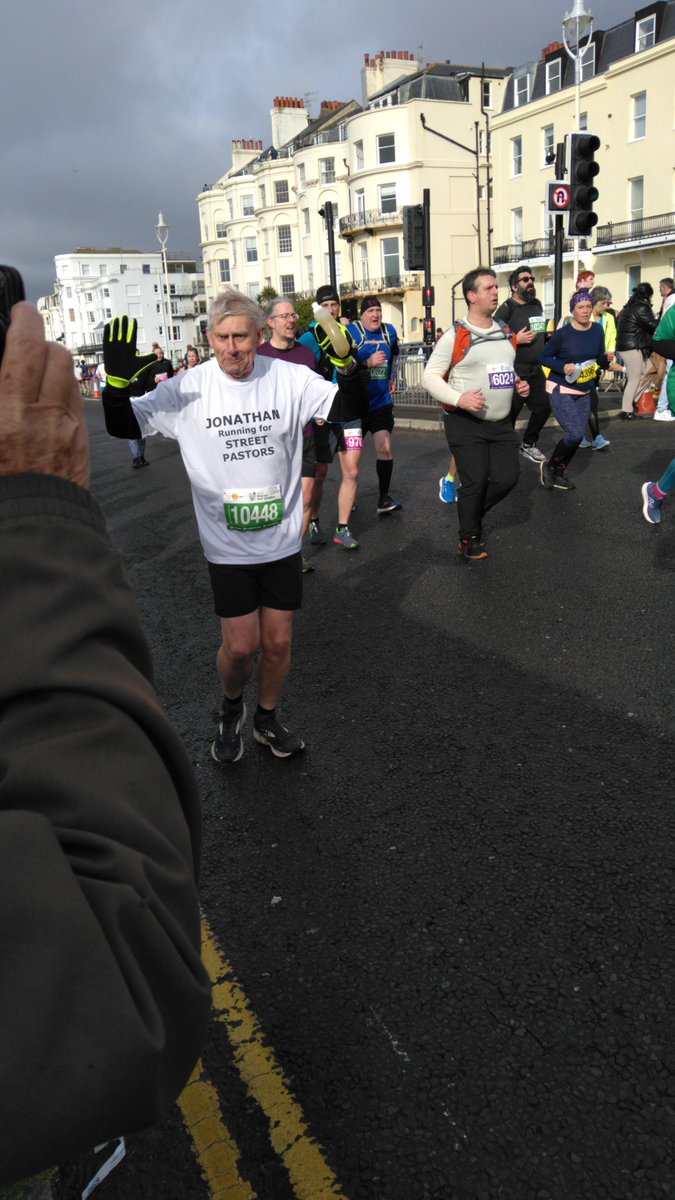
(452, 918)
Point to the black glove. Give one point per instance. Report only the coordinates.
(122, 363)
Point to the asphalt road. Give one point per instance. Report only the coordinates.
(452, 918)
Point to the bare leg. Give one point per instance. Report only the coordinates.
(349, 465)
(234, 661)
(276, 631)
(317, 490)
(307, 490)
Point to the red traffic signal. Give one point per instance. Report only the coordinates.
(429, 328)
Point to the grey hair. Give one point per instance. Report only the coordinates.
(274, 303)
(600, 293)
(232, 303)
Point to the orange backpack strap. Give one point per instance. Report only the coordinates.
(463, 343)
(461, 346)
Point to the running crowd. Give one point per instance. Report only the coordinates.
(259, 423)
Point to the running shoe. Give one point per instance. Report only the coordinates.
(317, 537)
(447, 491)
(269, 731)
(344, 537)
(547, 476)
(665, 415)
(585, 443)
(533, 453)
(228, 746)
(307, 566)
(651, 507)
(385, 504)
(600, 442)
(472, 548)
(563, 483)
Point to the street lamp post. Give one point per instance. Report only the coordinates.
(162, 231)
(577, 30)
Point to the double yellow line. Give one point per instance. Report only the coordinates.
(217, 1152)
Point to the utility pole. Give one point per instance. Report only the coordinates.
(559, 241)
(327, 213)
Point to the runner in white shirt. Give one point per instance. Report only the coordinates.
(238, 420)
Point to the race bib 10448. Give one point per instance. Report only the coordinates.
(250, 509)
(501, 375)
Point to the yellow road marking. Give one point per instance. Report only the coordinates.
(309, 1173)
(216, 1150)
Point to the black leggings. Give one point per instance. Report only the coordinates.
(593, 422)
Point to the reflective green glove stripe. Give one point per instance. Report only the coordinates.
(342, 364)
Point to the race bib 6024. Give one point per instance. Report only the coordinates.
(501, 375)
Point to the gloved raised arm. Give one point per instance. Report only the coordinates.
(123, 367)
(337, 344)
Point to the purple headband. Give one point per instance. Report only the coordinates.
(578, 298)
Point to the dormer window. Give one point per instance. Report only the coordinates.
(553, 76)
(645, 33)
(521, 89)
(587, 65)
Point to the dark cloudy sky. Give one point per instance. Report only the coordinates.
(113, 111)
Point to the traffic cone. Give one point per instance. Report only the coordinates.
(97, 391)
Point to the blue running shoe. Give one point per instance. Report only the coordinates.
(447, 492)
(600, 442)
(651, 507)
(585, 444)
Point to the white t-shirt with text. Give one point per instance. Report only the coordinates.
(236, 438)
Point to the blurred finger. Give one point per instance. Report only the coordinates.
(24, 358)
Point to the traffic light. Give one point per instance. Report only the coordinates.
(428, 296)
(413, 237)
(429, 329)
(583, 192)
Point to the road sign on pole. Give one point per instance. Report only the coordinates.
(558, 194)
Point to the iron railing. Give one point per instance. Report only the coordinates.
(534, 248)
(635, 230)
(369, 219)
(388, 283)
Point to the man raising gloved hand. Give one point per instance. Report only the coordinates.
(239, 420)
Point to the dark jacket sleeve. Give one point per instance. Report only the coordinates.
(351, 398)
(104, 1000)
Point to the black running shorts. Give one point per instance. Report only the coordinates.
(239, 590)
(379, 418)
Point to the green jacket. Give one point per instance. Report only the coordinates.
(664, 334)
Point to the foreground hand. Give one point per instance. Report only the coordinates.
(522, 387)
(525, 336)
(120, 359)
(472, 401)
(42, 425)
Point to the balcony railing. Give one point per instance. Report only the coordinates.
(369, 220)
(640, 229)
(388, 283)
(535, 248)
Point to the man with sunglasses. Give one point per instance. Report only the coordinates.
(524, 315)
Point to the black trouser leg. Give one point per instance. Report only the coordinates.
(486, 453)
(593, 422)
(540, 408)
